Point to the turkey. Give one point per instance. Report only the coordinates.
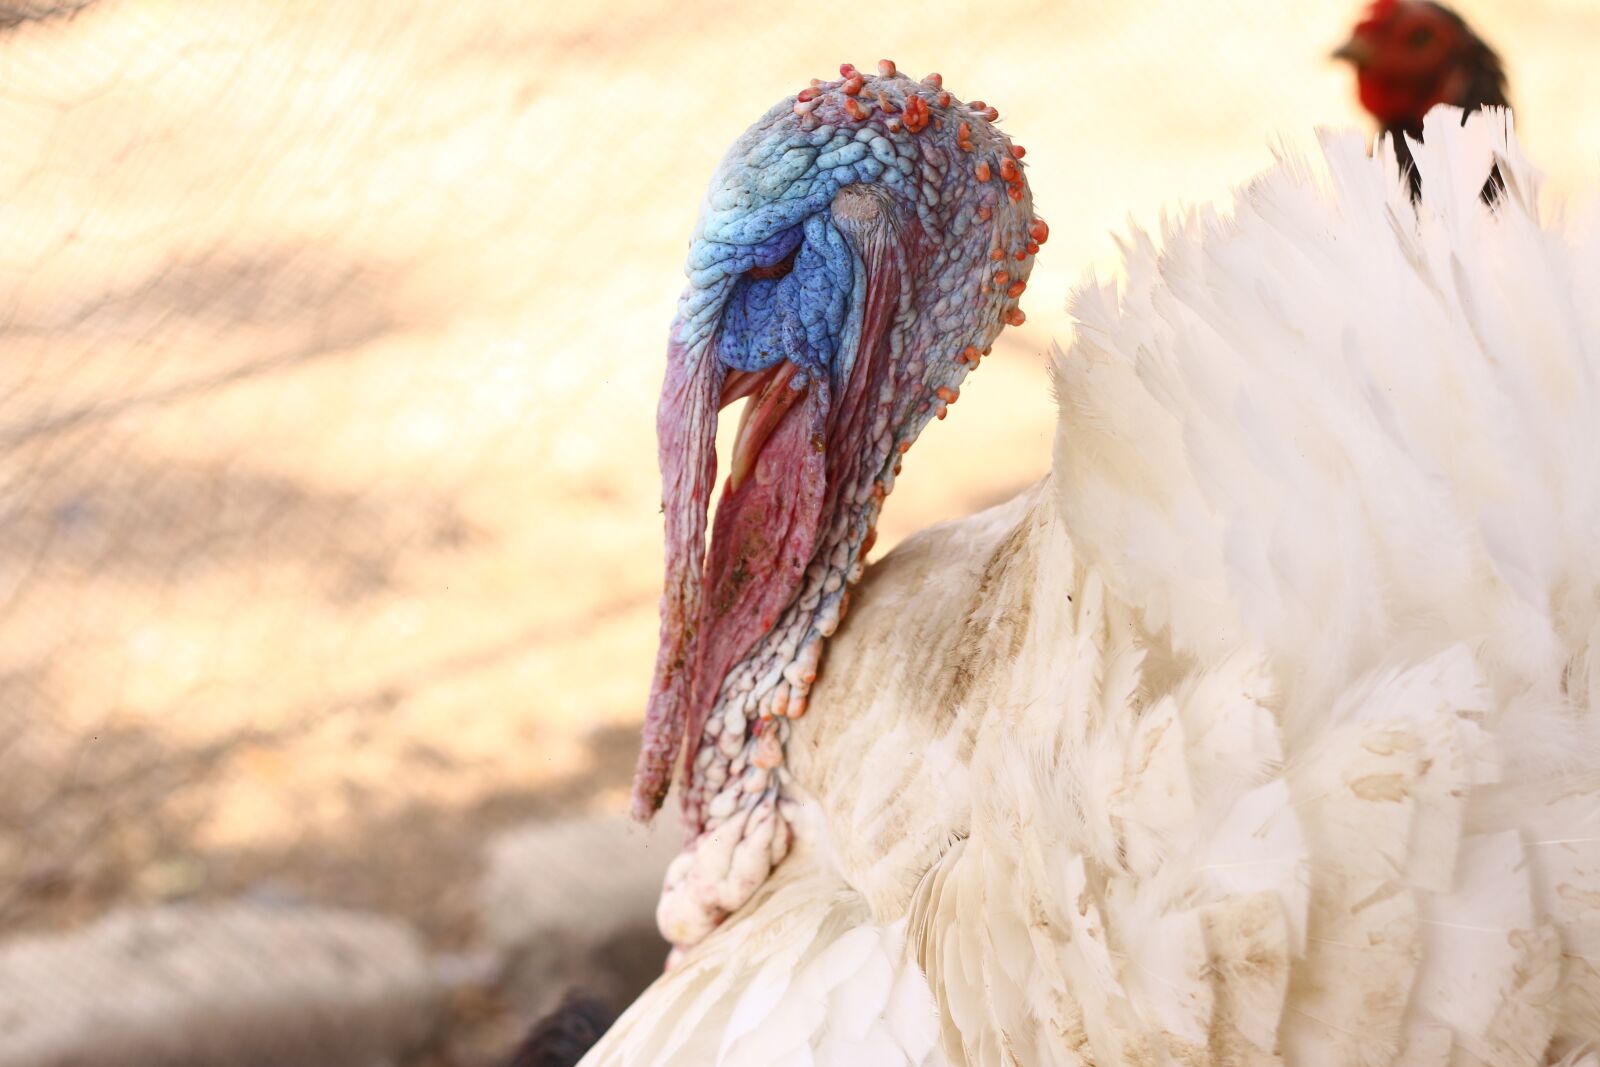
(1261, 731)
(1411, 55)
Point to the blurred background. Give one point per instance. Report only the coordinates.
(330, 335)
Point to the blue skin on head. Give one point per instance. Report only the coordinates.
(799, 316)
(777, 184)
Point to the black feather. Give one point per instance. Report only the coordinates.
(561, 1038)
(1485, 87)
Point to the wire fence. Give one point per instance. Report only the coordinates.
(331, 333)
(287, 460)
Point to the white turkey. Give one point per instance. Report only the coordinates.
(1261, 731)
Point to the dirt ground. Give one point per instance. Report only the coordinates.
(328, 505)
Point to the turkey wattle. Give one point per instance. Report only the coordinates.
(860, 248)
(1263, 730)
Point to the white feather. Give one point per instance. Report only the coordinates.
(1265, 731)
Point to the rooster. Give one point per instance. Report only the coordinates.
(1264, 730)
(1413, 55)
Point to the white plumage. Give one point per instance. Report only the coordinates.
(1263, 731)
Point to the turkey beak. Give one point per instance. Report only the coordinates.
(772, 395)
(1355, 51)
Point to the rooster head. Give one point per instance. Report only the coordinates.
(1411, 55)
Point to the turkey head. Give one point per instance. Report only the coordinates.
(858, 251)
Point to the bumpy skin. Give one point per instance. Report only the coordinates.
(858, 251)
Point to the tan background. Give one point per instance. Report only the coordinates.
(331, 335)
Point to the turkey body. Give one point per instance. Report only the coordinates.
(1263, 730)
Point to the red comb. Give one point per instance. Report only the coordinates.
(1379, 12)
